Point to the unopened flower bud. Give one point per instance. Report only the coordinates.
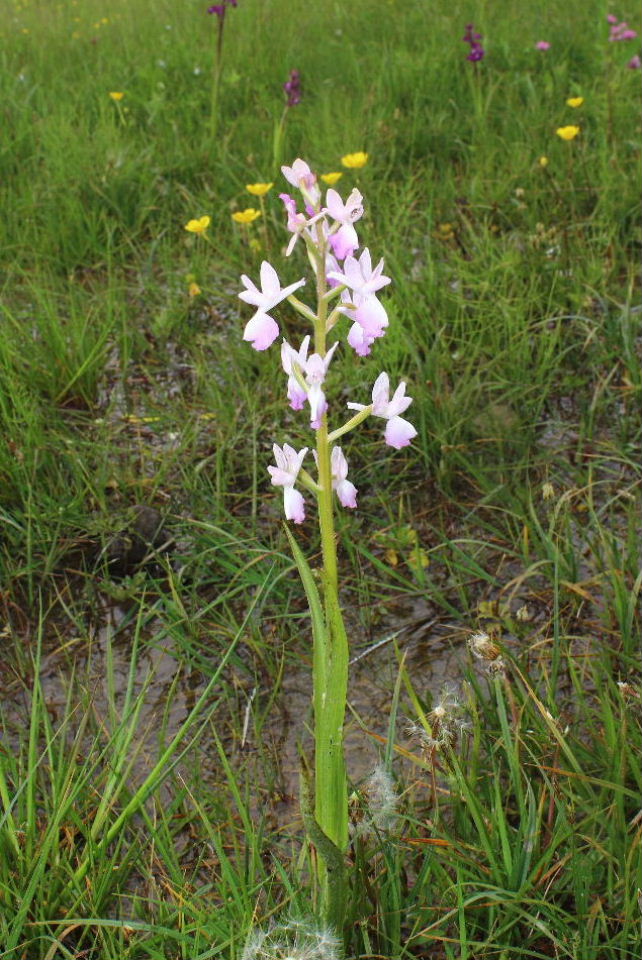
(548, 491)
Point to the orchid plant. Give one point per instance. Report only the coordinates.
(218, 10)
(293, 95)
(347, 286)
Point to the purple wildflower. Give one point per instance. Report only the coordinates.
(292, 88)
(620, 31)
(477, 51)
(635, 63)
(220, 8)
(543, 45)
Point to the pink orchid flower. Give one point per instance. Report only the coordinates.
(262, 330)
(315, 370)
(345, 241)
(288, 464)
(301, 177)
(360, 276)
(346, 491)
(297, 395)
(369, 314)
(297, 223)
(271, 292)
(399, 432)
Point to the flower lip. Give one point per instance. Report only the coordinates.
(261, 330)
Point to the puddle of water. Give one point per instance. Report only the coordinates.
(170, 690)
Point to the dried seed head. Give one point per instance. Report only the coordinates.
(628, 691)
(292, 940)
(448, 702)
(445, 720)
(381, 801)
(497, 666)
(420, 735)
(482, 647)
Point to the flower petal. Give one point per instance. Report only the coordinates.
(380, 395)
(399, 432)
(261, 330)
(359, 340)
(372, 316)
(347, 494)
(399, 401)
(294, 505)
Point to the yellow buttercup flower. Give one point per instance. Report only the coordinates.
(116, 95)
(445, 231)
(567, 133)
(575, 101)
(258, 189)
(331, 178)
(354, 161)
(198, 226)
(543, 161)
(246, 216)
(194, 290)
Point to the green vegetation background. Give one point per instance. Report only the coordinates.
(515, 318)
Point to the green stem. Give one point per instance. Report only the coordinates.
(277, 141)
(303, 309)
(216, 79)
(334, 292)
(351, 423)
(331, 679)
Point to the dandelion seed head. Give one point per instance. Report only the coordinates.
(497, 666)
(293, 939)
(482, 647)
(382, 801)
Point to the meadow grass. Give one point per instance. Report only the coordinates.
(130, 831)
